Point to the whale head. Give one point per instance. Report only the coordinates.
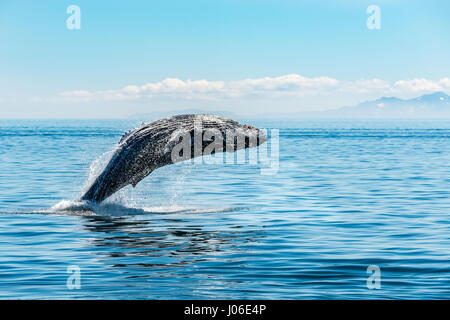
(209, 134)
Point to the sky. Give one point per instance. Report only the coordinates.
(247, 57)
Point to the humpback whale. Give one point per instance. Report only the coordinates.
(168, 141)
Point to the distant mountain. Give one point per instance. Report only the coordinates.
(150, 116)
(434, 105)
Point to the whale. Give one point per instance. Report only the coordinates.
(167, 141)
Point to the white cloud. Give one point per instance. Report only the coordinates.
(368, 85)
(422, 85)
(291, 85)
(445, 83)
(35, 99)
(417, 85)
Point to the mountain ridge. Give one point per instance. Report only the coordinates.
(427, 106)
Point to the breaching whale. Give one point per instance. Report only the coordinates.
(167, 141)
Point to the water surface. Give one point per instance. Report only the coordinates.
(348, 194)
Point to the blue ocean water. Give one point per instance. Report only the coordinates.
(347, 195)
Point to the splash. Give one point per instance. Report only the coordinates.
(96, 167)
(87, 208)
(71, 207)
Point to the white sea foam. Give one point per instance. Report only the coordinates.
(68, 207)
(74, 207)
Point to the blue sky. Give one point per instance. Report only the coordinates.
(251, 56)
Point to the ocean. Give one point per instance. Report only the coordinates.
(356, 209)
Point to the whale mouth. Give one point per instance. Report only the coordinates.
(88, 208)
